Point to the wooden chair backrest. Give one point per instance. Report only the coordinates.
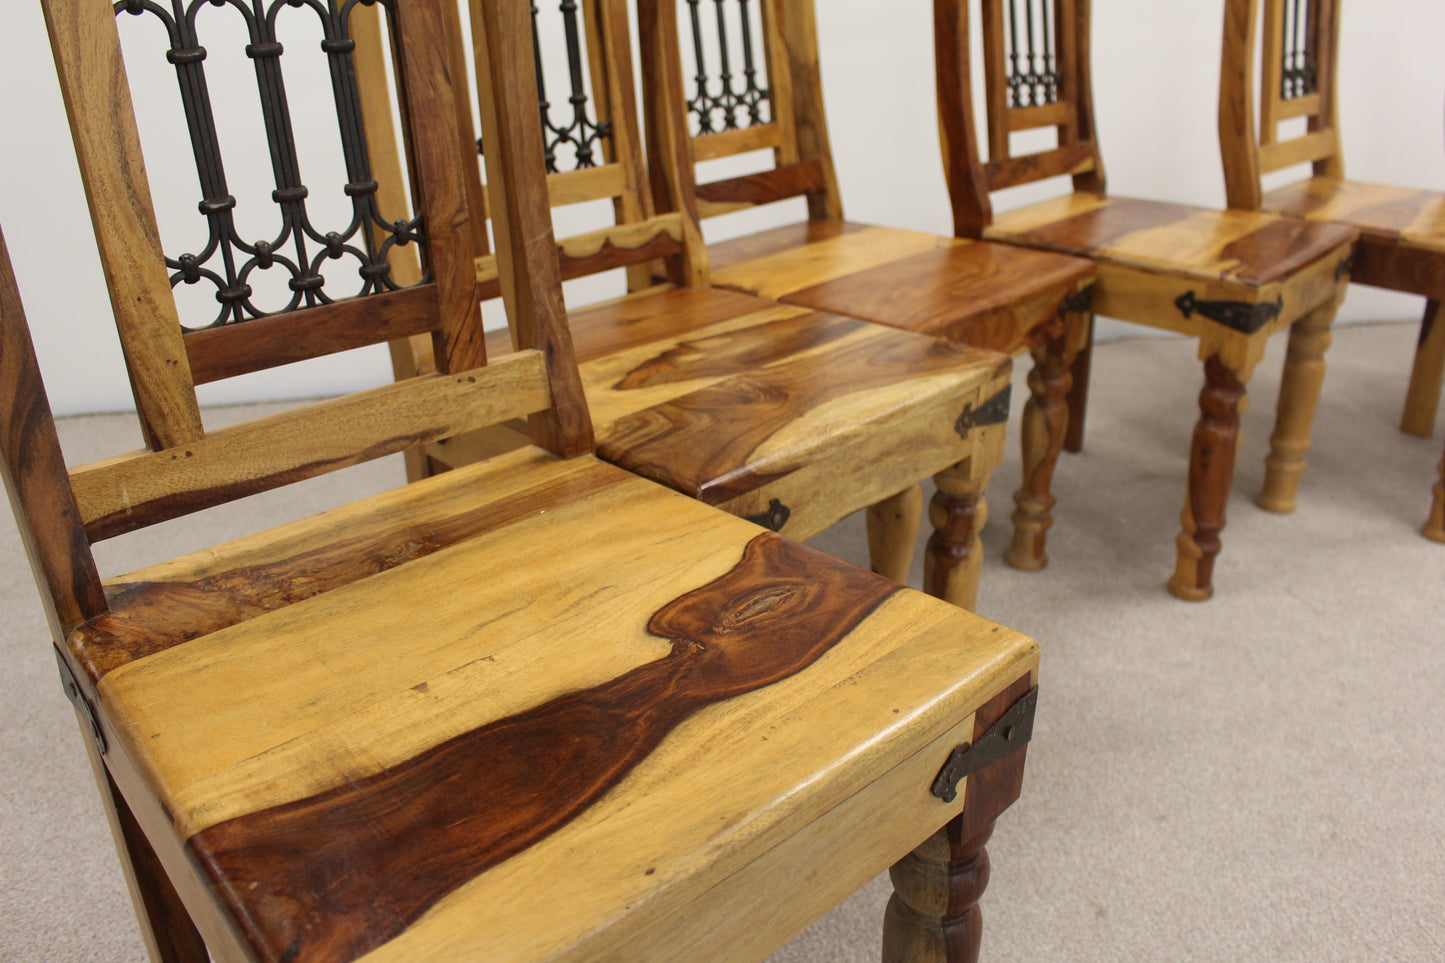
(63, 511)
(765, 95)
(1037, 75)
(1297, 55)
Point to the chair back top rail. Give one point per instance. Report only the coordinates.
(755, 85)
(1295, 44)
(186, 469)
(1037, 75)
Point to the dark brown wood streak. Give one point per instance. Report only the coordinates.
(765, 187)
(379, 851)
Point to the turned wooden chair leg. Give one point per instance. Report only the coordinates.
(165, 926)
(893, 532)
(1211, 473)
(1079, 391)
(933, 914)
(958, 512)
(1299, 395)
(1435, 526)
(1423, 396)
(1045, 422)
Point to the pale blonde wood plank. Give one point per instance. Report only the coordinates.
(726, 143)
(1299, 150)
(1059, 114)
(587, 184)
(121, 492)
(809, 264)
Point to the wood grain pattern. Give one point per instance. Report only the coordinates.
(1427, 374)
(739, 633)
(208, 780)
(765, 187)
(132, 491)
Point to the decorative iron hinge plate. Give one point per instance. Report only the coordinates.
(773, 518)
(994, 411)
(77, 698)
(1243, 316)
(1010, 733)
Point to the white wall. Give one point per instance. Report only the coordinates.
(1156, 64)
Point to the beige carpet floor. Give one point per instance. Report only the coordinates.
(1261, 777)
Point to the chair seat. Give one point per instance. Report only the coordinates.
(1402, 230)
(987, 295)
(1148, 251)
(743, 403)
(369, 747)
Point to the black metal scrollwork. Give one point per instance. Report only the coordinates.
(299, 247)
(581, 134)
(1034, 77)
(1298, 55)
(729, 108)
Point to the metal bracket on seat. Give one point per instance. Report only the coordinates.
(77, 698)
(1243, 316)
(1011, 732)
(773, 518)
(994, 411)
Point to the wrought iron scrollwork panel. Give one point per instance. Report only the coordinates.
(581, 135)
(300, 248)
(1035, 78)
(1298, 50)
(726, 101)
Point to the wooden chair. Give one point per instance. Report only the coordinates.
(986, 295)
(1435, 525)
(785, 415)
(428, 725)
(1402, 231)
(1229, 278)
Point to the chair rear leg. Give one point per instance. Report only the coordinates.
(1211, 475)
(1299, 395)
(1423, 396)
(953, 560)
(1435, 527)
(893, 533)
(166, 927)
(1079, 392)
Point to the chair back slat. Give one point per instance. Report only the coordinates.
(1036, 76)
(1296, 53)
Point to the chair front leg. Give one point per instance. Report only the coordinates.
(165, 926)
(933, 914)
(1045, 422)
(1211, 474)
(958, 512)
(1299, 395)
(893, 533)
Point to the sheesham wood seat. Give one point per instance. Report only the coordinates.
(1231, 279)
(534, 708)
(1402, 230)
(789, 417)
(980, 294)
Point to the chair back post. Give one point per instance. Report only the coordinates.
(957, 136)
(1036, 72)
(529, 271)
(670, 160)
(33, 469)
(1296, 45)
(790, 36)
